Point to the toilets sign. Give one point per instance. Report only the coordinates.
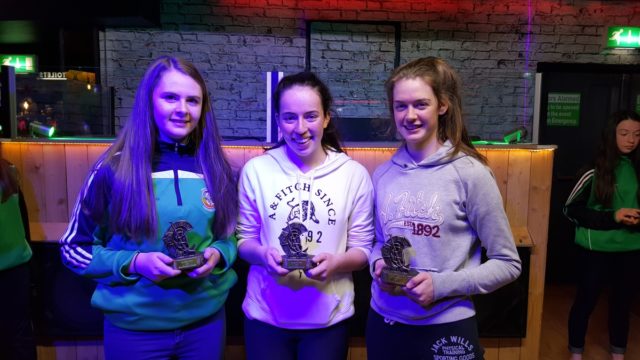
(52, 75)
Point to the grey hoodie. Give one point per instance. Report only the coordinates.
(333, 203)
(447, 208)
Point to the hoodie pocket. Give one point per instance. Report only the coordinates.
(303, 303)
(402, 307)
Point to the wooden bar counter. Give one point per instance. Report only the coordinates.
(53, 171)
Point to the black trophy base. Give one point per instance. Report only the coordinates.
(189, 262)
(397, 277)
(298, 262)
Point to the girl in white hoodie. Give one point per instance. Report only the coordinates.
(303, 197)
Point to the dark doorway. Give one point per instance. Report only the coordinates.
(602, 90)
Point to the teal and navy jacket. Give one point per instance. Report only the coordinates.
(596, 228)
(131, 301)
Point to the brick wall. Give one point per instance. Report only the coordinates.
(494, 44)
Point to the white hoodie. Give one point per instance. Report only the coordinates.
(334, 205)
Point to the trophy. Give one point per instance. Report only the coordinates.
(396, 253)
(295, 257)
(175, 239)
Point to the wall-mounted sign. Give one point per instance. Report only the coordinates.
(563, 109)
(623, 37)
(24, 64)
(52, 75)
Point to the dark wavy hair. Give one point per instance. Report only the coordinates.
(446, 86)
(330, 137)
(133, 210)
(608, 157)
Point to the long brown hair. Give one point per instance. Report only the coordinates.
(446, 86)
(608, 157)
(133, 210)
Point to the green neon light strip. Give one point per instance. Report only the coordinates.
(623, 37)
(488, 142)
(82, 138)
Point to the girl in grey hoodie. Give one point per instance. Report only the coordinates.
(438, 193)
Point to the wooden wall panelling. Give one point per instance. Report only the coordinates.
(357, 353)
(251, 152)
(366, 159)
(90, 349)
(499, 163)
(46, 351)
(357, 349)
(66, 349)
(235, 157)
(239, 155)
(538, 218)
(54, 210)
(33, 186)
(491, 348)
(94, 151)
(385, 154)
(13, 154)
(484, 152)
(80, 350)
(517, 199)
(85, 349)
(77, 170)
(56, 199)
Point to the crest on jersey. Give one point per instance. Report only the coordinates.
(207, 203)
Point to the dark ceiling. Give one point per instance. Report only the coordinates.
(137, 13)
(63, 33)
